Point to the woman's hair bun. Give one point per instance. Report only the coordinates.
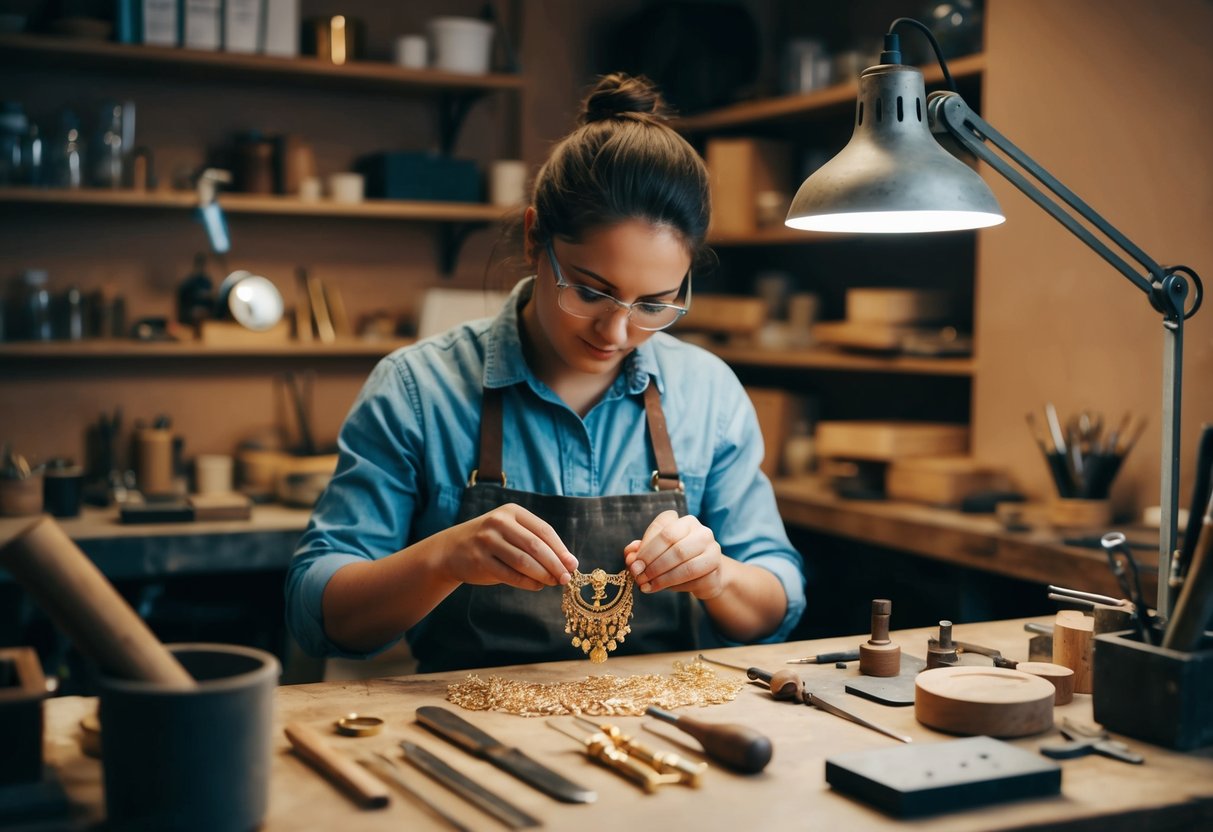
(619, 95)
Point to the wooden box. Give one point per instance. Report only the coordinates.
(896, 306)
(1153, 694)
(231, 334)
(738, 170)
(863, 335)
(886, 441)
(22, 689)
(940, 480)
(727, 314)
(777, 412)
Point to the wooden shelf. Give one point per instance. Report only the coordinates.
(387, 209)
(61, 52)
(821, 358)
(795, 107)
(104, 348)
(976, 541)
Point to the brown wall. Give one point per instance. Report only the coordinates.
(1112, 96)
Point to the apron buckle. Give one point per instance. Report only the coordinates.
(656, 482)
(476, 472)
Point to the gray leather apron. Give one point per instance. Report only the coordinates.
(485, 626)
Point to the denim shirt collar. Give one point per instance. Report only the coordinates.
(505, 364)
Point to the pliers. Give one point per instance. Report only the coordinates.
(1085, 739)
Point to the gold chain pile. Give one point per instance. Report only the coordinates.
(597, 627)
(691, 683)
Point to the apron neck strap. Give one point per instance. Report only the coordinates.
(488, 469)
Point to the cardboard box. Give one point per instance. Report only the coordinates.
(941, 480)
(885, 441)
(777, 412)
(738, 170)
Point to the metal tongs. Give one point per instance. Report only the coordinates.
(1089, 739)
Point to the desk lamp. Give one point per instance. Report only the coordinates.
(892, 177)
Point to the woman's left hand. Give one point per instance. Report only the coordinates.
(677, 553)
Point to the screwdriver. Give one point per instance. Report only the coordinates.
(787, 685)
(828, 658)
(736, 746)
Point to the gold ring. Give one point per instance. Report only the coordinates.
(353, 725)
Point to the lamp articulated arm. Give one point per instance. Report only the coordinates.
(1166, 288)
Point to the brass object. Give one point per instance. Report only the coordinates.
(663, 762)
(600, 748)
(691, 683)
(599, 625)
(356, 725)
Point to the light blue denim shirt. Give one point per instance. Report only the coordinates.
(411, 440)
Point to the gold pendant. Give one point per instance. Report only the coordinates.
(597, 626)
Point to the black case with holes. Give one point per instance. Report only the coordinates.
(912, 780)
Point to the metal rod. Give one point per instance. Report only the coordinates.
(816, 701)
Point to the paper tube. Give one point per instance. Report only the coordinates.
(85, 605)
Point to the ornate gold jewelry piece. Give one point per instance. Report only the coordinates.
(597, 626)
(691, 683)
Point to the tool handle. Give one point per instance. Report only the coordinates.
(84, 604)
(1195, 605)
(356, 782)
(736, 746)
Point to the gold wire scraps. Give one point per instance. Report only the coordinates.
(690, 683)
(597, 627)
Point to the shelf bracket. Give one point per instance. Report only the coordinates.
(453, 108)
(451, 237)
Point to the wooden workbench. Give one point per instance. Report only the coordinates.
(1171, 791)
(976, 541)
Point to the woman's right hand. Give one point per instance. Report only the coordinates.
(508, 545)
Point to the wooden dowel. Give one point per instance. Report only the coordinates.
(355, 781)
(1072, 647)
(84, 604)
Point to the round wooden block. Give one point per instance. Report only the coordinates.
(993, 701)
(1072, 648)
(1059, 676)
(879, 659)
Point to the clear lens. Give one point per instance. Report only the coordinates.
(584, 302)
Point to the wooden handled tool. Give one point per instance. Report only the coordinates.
(84, 604)
(1194, 608)
(355, 781)
(736, 746)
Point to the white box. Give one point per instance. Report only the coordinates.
(241, 25)
(159, 22)
(281, 35)
(202, 24)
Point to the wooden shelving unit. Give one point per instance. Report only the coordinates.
(106, 349)
(828, 100)
(821, 358)
(60, 52)
(386, 209)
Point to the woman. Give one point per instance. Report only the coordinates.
(483, 469)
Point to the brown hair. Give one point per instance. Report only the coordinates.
(623, 161)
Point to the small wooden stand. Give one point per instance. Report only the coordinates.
(993, 701)
(1072, 643)
(879, 656)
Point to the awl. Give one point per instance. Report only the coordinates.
(454, 728)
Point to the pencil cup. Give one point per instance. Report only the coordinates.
(196, 758)
(1070, 513)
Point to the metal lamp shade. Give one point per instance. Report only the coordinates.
(892, 177)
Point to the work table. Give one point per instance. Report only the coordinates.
(1170, 791)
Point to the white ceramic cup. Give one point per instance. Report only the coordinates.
(213, 473)
(412, 51)
(310, 189)
(346, 187)
(461, 44)
(507, 182)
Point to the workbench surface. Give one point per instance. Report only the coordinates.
(1171, 791)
